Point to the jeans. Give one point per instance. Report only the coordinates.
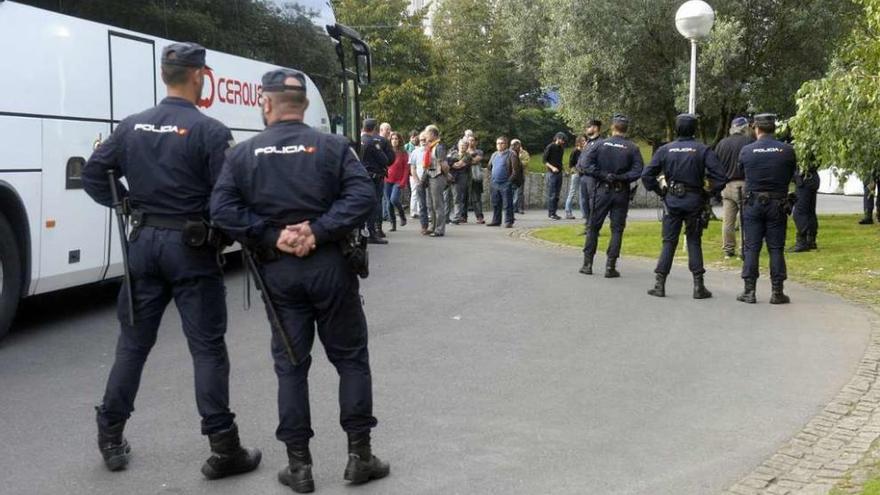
(573, 189)
(393, 193)
(502, 199)
(554, 186)
(476, 198)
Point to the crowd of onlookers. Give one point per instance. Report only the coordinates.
(444, 184)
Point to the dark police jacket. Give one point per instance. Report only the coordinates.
(171, 155)
(376, 154)
(686, 162)
(287, 174)
(615, 159)
(768, 165)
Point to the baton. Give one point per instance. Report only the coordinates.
(123, 242)
(274, 320)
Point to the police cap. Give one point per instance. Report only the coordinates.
(275, 81)
(184, 55)
(686, 125)
(620, 118)
(763, 119)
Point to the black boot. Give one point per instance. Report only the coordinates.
(375, 239)
(380, 232)
(801, 245)
(700, 290)
(587, 269)
(866, 221)
(113, 446)
(228, 457)
(748, 295)
(659, 289)
(393, 222)
(363, 466)
(777, 296)
(298, 473)
(811, 241)
(611, 269)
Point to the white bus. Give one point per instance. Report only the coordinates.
(64, 83)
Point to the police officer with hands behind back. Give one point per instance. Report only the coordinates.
(293, 194)
(768, 165)
(171, 156)
(685, 163)
(614, 163)
(377, 155)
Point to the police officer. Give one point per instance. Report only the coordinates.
(806, 187)
(376, 155)
(296, 222)
(685, 163)
(171, 156)
(871, 185)
(768, 165)
(614, 163)
(587, 183)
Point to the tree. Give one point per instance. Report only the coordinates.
(626, 56)
(838, 117)
(480, 85)
(403, 91)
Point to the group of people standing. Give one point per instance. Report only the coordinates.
(445, 185)
(753, 173)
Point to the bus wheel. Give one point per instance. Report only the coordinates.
(10, 275)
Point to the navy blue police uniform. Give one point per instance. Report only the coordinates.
(685, 163)
(614, 163)
(806, 187)
(871, 186)
(376, 155)
(288, 174)
(587, 183)
(768, 165)
(170, 156)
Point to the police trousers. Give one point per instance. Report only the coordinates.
(804, 213)
(319, 295)
(587, 191)
(672, 223)
(164, 268)
(607, 203)
(764, 221)
(374, 223)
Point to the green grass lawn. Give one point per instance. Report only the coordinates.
(847, 262)
(536, 162)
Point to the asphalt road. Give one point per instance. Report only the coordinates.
(497, 369)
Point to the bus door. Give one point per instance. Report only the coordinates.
(132, 90)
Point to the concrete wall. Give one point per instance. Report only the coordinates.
(535, 192)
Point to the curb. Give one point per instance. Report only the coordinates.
(831, 446)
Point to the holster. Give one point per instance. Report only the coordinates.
(354, 249)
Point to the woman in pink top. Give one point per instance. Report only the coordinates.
(397, 180)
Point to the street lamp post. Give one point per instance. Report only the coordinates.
(694, 21)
